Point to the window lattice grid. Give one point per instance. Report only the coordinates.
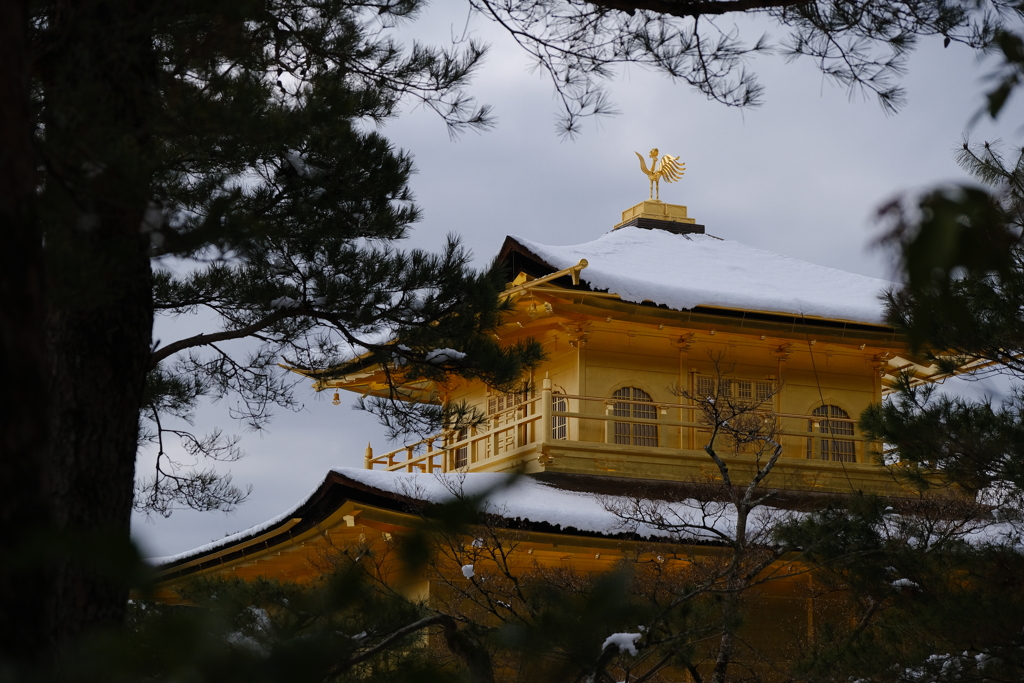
(499, 402)
(831, 448)
(744, 389)
(635, 434)
(740, 389)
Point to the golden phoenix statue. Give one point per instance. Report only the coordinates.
(671, 170)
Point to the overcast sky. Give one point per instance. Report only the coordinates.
(801, 175)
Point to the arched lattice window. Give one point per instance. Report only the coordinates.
(831, 446)
(630, 433)
(559, 423)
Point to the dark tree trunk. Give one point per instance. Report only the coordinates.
(99, 356)
(23, 421)
(99, 90)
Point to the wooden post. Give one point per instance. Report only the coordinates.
(522, 435)
(445, 460)
(609, 426)
(368, 457)
(408, 459)
(811, 454)
(692, 412)
(545, 412)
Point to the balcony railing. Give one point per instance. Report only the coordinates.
(516, 432)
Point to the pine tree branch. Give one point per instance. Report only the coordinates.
(693, 671)
(696, 9)
(475, 658)
(654, 670)
(204, 339)
(383, 645)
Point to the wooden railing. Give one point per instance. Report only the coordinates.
(506, 431)
(419, 456)
(513, 432)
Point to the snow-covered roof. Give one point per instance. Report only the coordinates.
(533, 500)
(686, 271)
(514, 498)
(586, 507)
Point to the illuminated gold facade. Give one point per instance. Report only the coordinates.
(575, 415)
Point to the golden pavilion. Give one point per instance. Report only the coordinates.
(635, 324)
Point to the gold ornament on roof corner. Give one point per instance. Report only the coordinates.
(671, 170)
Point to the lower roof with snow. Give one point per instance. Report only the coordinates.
(571, 504)
(686, 271)
(579, 505)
